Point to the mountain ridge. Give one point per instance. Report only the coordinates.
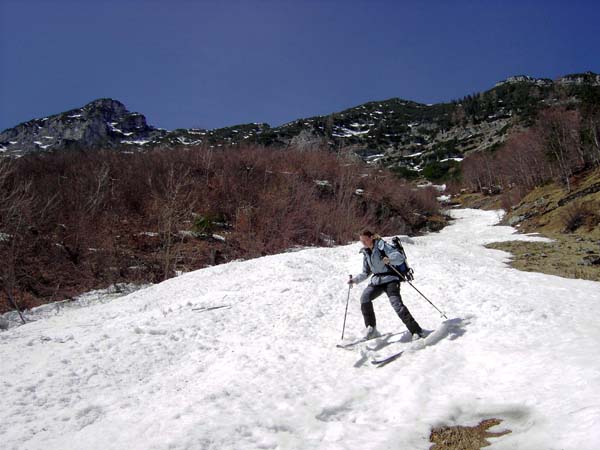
(399, 134)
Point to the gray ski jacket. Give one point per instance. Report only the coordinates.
(373, 263)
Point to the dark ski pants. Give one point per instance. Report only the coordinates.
(393, 292)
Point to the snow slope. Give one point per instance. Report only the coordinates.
(147, 371)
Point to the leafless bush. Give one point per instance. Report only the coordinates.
(560, 134)
(479, 171)
(104, 217)
(522, 162)
(16, 219)
(553, 149)
(577, 215)
(591, 136)
(172, 203)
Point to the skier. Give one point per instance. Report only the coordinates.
(377, 254)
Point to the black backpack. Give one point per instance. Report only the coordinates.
(406, 273)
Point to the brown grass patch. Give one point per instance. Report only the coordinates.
(478, 200)
(577, 215)
(565, 257)
(464, 438)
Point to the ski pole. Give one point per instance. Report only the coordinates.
(441, 312)
(402, 278)
(345, 313)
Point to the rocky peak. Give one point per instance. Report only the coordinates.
(589, 78)
(101, 123)
(106, 104)
(525, 79)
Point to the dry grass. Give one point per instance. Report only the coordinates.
(465, 438)
(573, 225)
(550, 210)
(564, 257)
(578, 215)
(479, 201)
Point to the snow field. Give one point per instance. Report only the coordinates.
(147, 372)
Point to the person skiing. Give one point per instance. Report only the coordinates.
(377, 254)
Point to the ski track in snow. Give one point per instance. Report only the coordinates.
(146, 372)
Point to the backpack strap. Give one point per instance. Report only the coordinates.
(404, 276)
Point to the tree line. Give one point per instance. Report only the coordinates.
(561, 143)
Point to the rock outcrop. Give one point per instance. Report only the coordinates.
(103, 123)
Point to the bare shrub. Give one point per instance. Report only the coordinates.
(591, 136)
(559, 131)
(17, 233)
(172, 203)
(576, 215)
(479, 171)
(521, 161)
(512, 196)
(90, 219)
(555, 148)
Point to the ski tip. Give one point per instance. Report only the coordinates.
(379, 363)
(385, 361)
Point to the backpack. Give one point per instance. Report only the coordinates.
(407, 274)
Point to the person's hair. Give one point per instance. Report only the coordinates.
(370, 234)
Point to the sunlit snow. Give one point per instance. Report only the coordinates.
(243, 356)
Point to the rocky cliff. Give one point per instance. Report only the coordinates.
(101, 123)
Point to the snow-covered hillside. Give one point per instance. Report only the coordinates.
(152, 370)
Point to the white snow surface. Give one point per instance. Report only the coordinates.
(138, 141)
(162, 368)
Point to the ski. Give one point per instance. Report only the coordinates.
(211, 308)
(389, 359)
(412, 347)
(360, 341)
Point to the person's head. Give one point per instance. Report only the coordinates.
(366, 238)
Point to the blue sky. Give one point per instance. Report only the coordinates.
(209, 64)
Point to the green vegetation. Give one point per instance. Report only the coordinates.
(442, 171)
(405, 172)
(206, 224)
